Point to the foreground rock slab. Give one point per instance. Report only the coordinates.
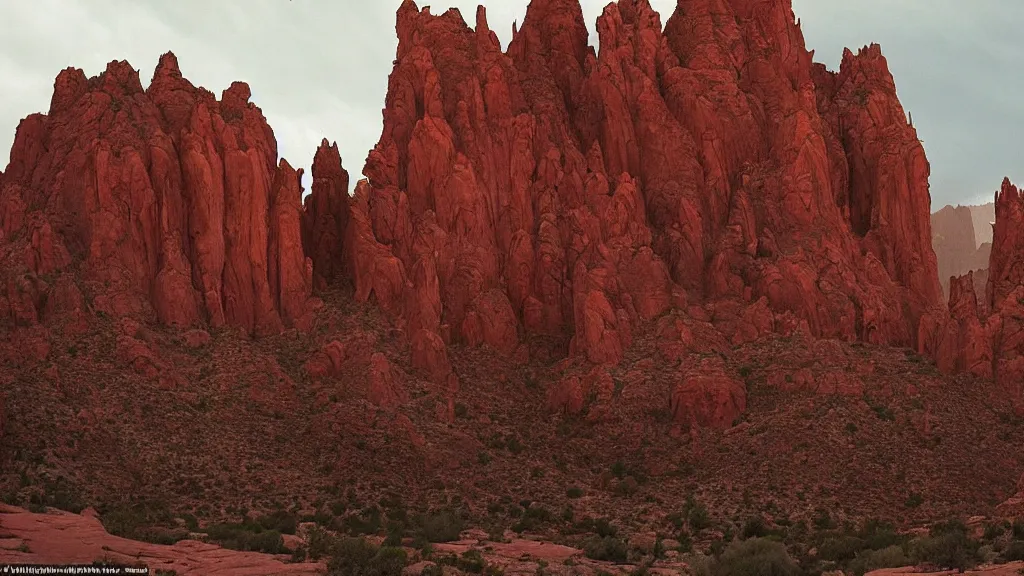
(65, 538)
(1010, 569)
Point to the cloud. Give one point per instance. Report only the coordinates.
(318, 68)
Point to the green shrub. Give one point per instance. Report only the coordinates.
(823, 520)
(471, 561)
(366, 522)
(878, 535)
(659, 548)
(432, 570)
(141, 521)
(283, 522)
(319, 543)
(883, 412)
(246, 537)
(618, 469)
(700, 565)
(868, 560)
(914, 500)
(338, 507)
(604, 527)
(533, 517)
(627, 486)
(190, 522)
(993, 531)
(841, 548)
(574, 492)
(755, 557)
(697, 515)
(441, 527)
(685, 542)
(755, 528)
(600, 526)
(395, 533)
(568, 514)
(947, 546)
(357, 557)
(350, 557)
(676, 520)
(388, 561)
(1014, 551)
(606, 548)
(62, 495)
(496, 533)
(514, 445)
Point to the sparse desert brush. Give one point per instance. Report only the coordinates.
(755, 557)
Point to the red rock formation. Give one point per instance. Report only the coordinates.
(326, 215)
(555, 190)
(981, 287)
(1005, 290)
(571, 393)
(1006, 267)
(965, 346)
(987, 338)
(707, 396)
(430, 355)
(385, 389)
(888, 199)
(709, 167)
(955, 243)
(326, 363)
(159, 203)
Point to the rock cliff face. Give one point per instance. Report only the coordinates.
(703, 182)
(325, 215)
(554, 190)
(986, 335)
(161, 203)
(1006, 267)
(1005, 289)
(954, 240)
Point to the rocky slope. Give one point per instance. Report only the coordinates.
(565, 268)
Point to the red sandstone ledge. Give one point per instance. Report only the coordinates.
(58, 537)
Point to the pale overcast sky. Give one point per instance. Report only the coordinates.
(318, 68)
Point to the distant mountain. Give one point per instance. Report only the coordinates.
(962, 240)
(983, 216)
